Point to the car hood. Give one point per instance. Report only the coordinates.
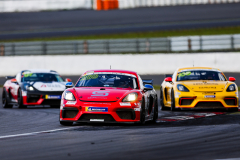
(212, 86)
(54, 86)
(95, 94)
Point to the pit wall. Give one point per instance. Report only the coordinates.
(141, 63)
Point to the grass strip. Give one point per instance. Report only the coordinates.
(151, 34)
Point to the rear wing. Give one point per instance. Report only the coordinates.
(148, 81)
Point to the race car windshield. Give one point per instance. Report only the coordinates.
(108, 80)
(41, 77)
(200, 75)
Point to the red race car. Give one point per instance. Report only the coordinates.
(109, 96)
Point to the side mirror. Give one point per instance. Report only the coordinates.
(68, 80)
(14, 80)
(148, 87)
(69, 85)
(168, 79)
(232, 79)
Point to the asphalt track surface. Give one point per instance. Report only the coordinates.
(35, 133)
(157, 79)
(89, 22)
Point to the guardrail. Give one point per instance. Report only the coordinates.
(143, 45)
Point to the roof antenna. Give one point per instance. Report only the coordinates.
(193, 63)
(110, 67)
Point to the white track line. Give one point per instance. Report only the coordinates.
(34, 133)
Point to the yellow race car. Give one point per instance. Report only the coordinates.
(199, 88)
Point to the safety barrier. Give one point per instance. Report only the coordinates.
(39, 5)
(142, 45)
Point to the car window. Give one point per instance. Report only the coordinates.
(40, 77)
(200, 75)
(118, 80)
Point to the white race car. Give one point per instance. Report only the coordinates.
(33, 87)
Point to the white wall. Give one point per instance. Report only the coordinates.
(141, 63)
(38, 5)
(124, 4)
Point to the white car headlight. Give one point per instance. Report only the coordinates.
(69, 96)
(30, 88)
(130, 97)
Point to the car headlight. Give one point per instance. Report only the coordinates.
(182, 88)
(231, 88)
(69, 96)
(130, 97)
(30, 88)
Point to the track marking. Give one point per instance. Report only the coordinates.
(35, 133)
(182, 118)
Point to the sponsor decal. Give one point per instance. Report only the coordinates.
(209, 96)
(125, 104)
(27, 74)
(205, 83)
(53, 97)
(100, 93)
(97, 120)
(177, 94)
(96, 109)
(182, 74)
(44, 85)
(137, 109)
(71, 102)
(87, 77)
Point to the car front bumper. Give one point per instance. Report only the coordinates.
(108, 112)
(206, 100)
(42, 98)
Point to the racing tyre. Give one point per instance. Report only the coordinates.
(5, 103)
(155, 116)
(143, 113)
(172, 101)
(66, 123)
(20, 100)
(161, 101)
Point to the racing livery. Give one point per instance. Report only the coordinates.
(33, 87)
(109, 96)
(199, 88)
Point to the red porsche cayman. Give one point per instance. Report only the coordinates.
(109, 96)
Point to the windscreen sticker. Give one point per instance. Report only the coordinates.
(87, 77)
(27, 74)
(182, 74)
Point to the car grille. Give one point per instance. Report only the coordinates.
(186, 101)
(69, 113)
(51, 102)
(87, 117)
(126, 114)
(209, 105)
(230, 101)
(33, 98)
